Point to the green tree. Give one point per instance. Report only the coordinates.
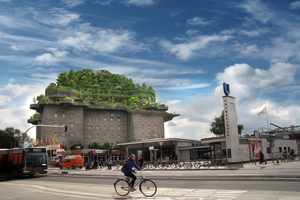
(218, 126)
(106, 146)
(10, 137)
(94, 145)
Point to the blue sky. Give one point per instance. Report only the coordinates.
(184, 49)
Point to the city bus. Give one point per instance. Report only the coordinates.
(23, 161)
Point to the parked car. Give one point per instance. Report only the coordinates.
(72, 162)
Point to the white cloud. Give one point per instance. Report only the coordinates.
(295, 5)
(103, 41)
(246, 49)
(57, 16)
(186, 50)
(196, 21)
(5, 0)
(4, 99)
(139, 2)
(104, 2)
(258, 10)
(253, 33)
(50, 59)
(73, 3)
(248, 85)
(196, 86)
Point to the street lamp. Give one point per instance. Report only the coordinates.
(161, 143)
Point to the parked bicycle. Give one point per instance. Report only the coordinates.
(146, 186)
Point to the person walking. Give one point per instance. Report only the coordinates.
(100, 164)
(110, 164)
(141, 162)
(261, 157)
(129, 170)
(117, 162)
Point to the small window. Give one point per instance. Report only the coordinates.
(148, 126)
(90, 136)
(112, 115)
(72, 125)
(148, 134)
(55, 134)
(118, 135)
(142, 125)
(55, 124)
(112, 144)
(118, 127)
(142, 118)
(155, 126)
(118, 119)
(63, 134)
(148, 118)
(111, 119)
(55, 115)
(154, 118)
(119, 115)
(72, 115)
(155, 135)
(90, 127)
(97, 127)
(104, 136)
(97, 118)
(105, 119)
(63, 125)
(64, 116)
(63, 143)
(104, 127)
(90, 119)
(112, 136)
(71, 143)
(97, 135)
(72, 134)
(111, 128)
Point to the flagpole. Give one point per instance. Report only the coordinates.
(267, 119)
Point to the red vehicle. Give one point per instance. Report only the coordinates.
(23, 161)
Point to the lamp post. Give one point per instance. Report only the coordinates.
(161, 143)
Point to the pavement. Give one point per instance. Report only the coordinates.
(287, 171)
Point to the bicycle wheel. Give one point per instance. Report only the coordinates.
(122, 187)
(148, 188)
(197, 165)
(206, 165)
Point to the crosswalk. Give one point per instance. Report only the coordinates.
(26, 191)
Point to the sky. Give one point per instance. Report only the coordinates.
(185, 50)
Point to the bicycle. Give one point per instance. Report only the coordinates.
(146, 186)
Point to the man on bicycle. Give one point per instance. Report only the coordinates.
(129, 171)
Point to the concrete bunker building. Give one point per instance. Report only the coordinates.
(98, 107)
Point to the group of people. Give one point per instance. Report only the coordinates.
(290, 154)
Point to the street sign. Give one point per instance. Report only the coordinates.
(151, 148)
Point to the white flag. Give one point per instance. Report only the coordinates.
(263, 112)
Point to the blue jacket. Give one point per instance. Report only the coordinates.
(129, 166)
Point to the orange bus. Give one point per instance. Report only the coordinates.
(23, 161)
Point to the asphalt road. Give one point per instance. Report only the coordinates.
(68, 187)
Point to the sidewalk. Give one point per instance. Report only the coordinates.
(249, 171)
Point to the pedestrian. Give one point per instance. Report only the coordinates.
(292, 154)
(95, 164)
(117, 162)
(261, 157)
(175, 158)
(110, 164)
(129, 171)
(141, 162)
(170, 158)
(100, 164)
(284, 154)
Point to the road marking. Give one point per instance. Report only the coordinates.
(241, 174)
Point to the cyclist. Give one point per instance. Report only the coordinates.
(129, 171)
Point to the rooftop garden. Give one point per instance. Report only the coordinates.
(103, 90)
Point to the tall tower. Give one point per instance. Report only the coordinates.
(231, 127)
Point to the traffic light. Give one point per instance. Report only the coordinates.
(66, 128)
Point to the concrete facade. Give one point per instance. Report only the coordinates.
(88, 124)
